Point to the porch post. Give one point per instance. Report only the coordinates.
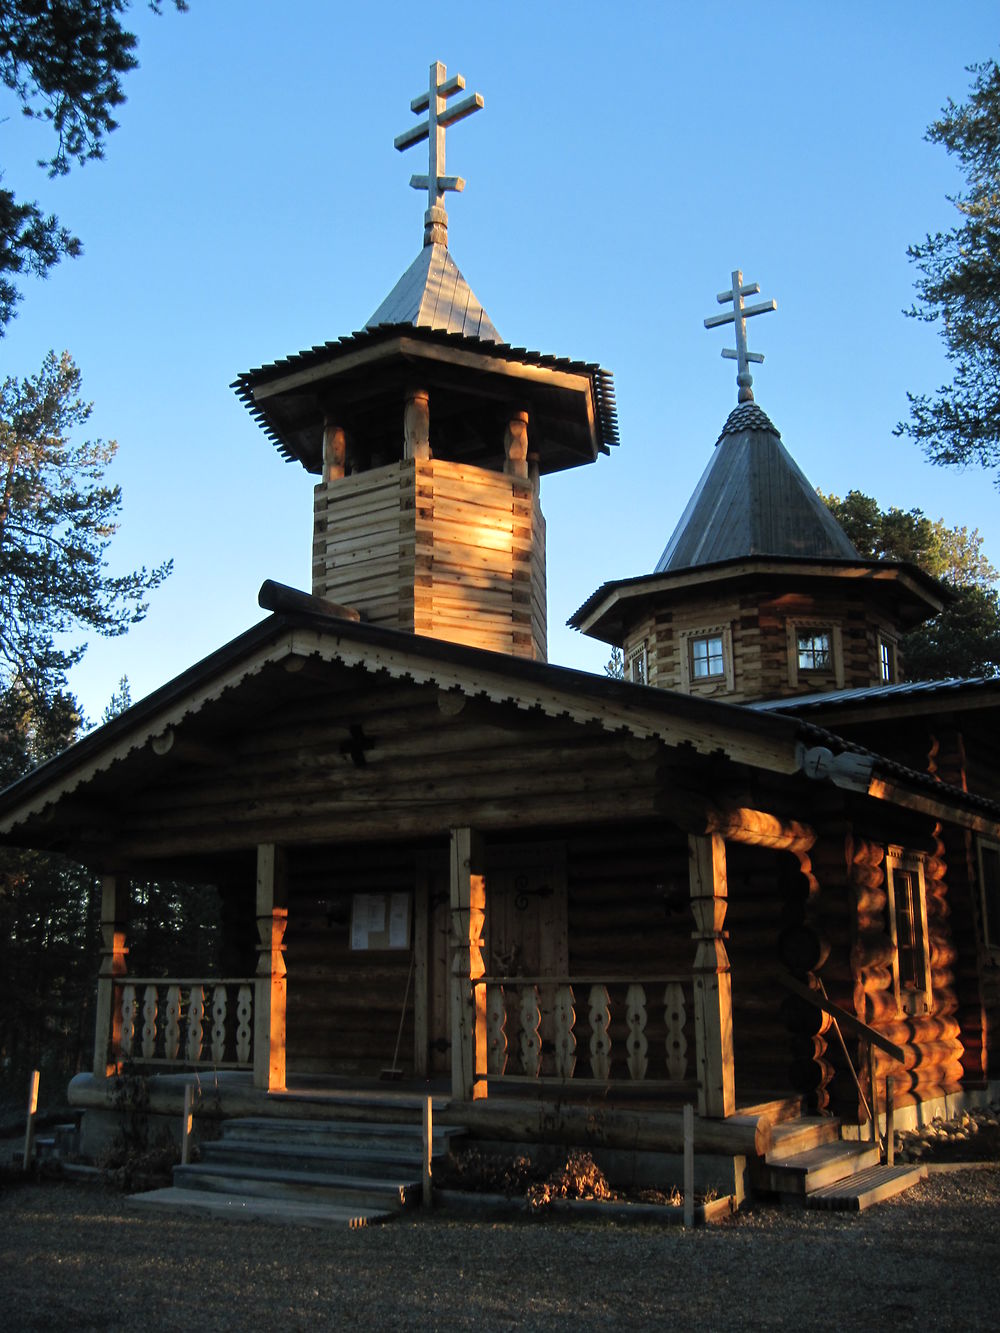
(108, 1028)
(468, 1002)
(713, 991)
(269, 1001)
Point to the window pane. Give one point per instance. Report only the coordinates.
(707, 657)
(886, 655)
(814, 650)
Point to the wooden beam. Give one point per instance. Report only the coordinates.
(713, 991)
(107, 1034)
(468, 1001)
(270, 999)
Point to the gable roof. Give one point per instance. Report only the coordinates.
(433, 294)
(753, 500)
(302, 635)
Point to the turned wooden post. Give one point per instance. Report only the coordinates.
(713, 991)
(108, 1027)
(417, 424)
(334, 451)
(269, 1004)
(468, 1001)
(515, 446)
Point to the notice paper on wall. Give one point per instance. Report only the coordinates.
(380, 921)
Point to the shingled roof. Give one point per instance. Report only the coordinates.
(753, 500)
(433, 294)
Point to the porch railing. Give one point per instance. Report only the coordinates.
(185, 1021)
(590, 1030)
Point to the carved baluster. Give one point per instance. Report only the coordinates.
(635, 1019)
(172, 1027)
(195, 1024)
(600, 1041)
(531, 1036)
(675, 1016)
(496, 1030)
(129, 1007)
(244, 1023)
(563, 1018)
(219, 1007)
(149, 1022)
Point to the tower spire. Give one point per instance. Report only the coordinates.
(739, 316)
(439, 116)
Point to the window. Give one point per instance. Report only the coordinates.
(705, 658)
(708, 659)
(636, 666)
(908, 931)
(815, 654)
(814, 650)
(886, 661)
(989, 888)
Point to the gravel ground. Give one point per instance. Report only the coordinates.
(78, 1257)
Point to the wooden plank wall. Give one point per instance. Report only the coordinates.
(344, 1006)
(437, 548)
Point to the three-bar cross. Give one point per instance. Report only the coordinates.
(439, 116)
(739, 315)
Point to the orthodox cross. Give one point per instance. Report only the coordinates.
(439, 116)
(739, 315)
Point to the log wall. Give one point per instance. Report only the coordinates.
(758, 627)
(444, 549)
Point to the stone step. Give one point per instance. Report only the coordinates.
(320, 1132)
(354, 1191)
(802, 1173)
(310, 1213)
(386, 1158)
(865, 1188)
(801, 1134)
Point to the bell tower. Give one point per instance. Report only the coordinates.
(430, 435)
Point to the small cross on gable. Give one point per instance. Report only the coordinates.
(738, 316)
(439, 116)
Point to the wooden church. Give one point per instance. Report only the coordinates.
(758, 875)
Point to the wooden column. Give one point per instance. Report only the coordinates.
(108, 1030)
(334, 451)
(713, 991)
(269, 1002)
(515, 446)
(417, 424)
(421, 993)
(468, 1002)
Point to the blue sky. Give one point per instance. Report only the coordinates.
(251, 205)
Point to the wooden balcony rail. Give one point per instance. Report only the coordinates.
(185, 1021)
(589, 1030)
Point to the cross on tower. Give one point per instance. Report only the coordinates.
(439, 116)
(739, 316)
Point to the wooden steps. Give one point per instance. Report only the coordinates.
(810, 1165)
(866, 1187)
(320, 1171)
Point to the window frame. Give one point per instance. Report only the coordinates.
(725, 679)
(810, 625)
(916, 997)
(990, 922)
(888, 654)
(640, 653)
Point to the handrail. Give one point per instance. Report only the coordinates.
(595, 980)
(845, 1019)
(841, 1018)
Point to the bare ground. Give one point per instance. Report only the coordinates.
(78, 1257)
